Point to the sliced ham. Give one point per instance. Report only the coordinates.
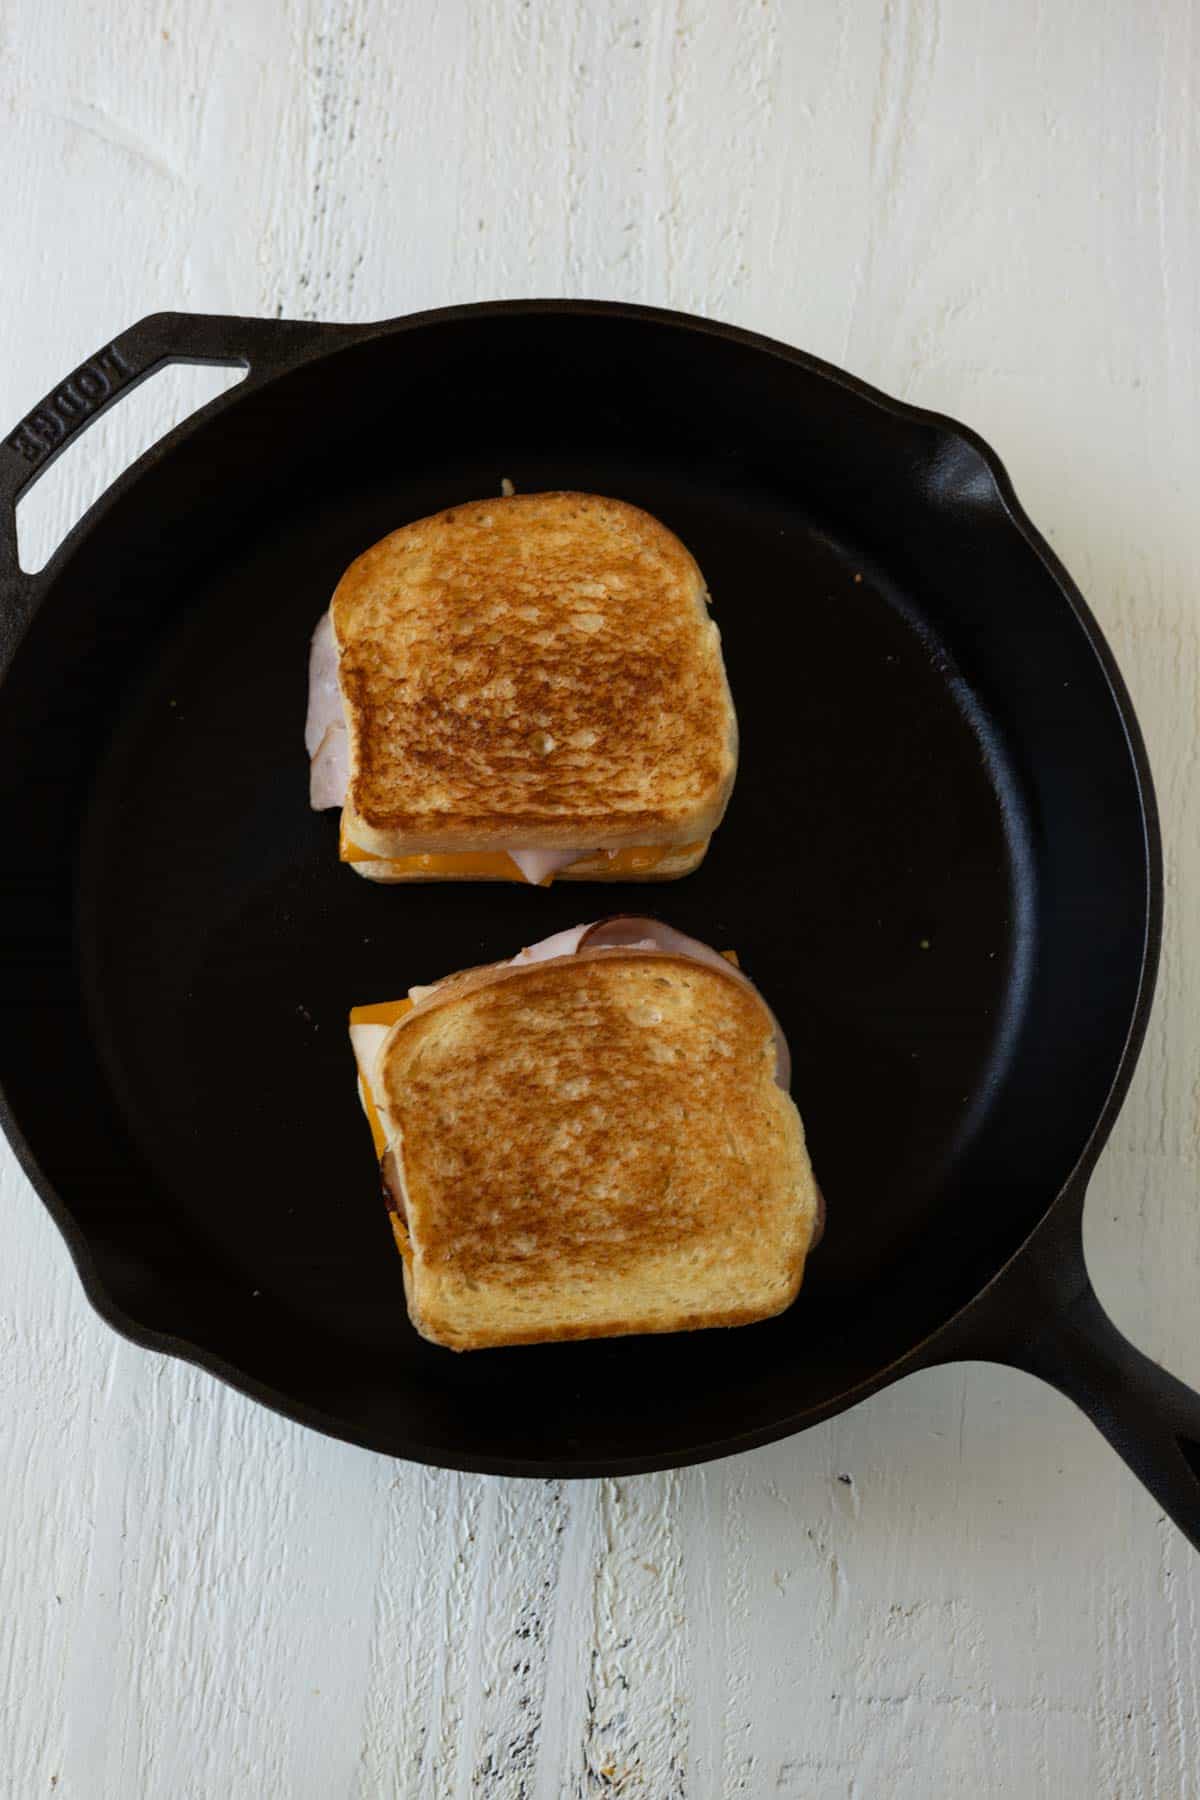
(324, 695)
(563, 943)
(366, 1041)
(325, 735)
(329, 770)
(536, 865)
(628, 931)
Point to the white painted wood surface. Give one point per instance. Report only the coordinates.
(989, 209)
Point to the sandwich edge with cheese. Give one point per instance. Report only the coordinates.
(552, 1276)
(523, 689)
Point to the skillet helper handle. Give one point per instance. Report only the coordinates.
(1042, 1315)
(261, 346)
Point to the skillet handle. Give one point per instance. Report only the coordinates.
(1042, 1315)
(261, 346)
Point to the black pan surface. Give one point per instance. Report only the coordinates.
(940, 864)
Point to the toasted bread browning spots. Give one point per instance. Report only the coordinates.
(524, 1112)
(540, 661)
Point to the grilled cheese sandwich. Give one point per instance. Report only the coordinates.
(522, 689)
(590, 1140)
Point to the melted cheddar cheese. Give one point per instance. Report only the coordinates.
(497, 865)
(385, 1013)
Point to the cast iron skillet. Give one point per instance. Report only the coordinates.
(941, 862)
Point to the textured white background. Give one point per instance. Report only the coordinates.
(989, 209)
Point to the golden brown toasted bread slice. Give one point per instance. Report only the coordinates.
(532, 672)
(592, 1146)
